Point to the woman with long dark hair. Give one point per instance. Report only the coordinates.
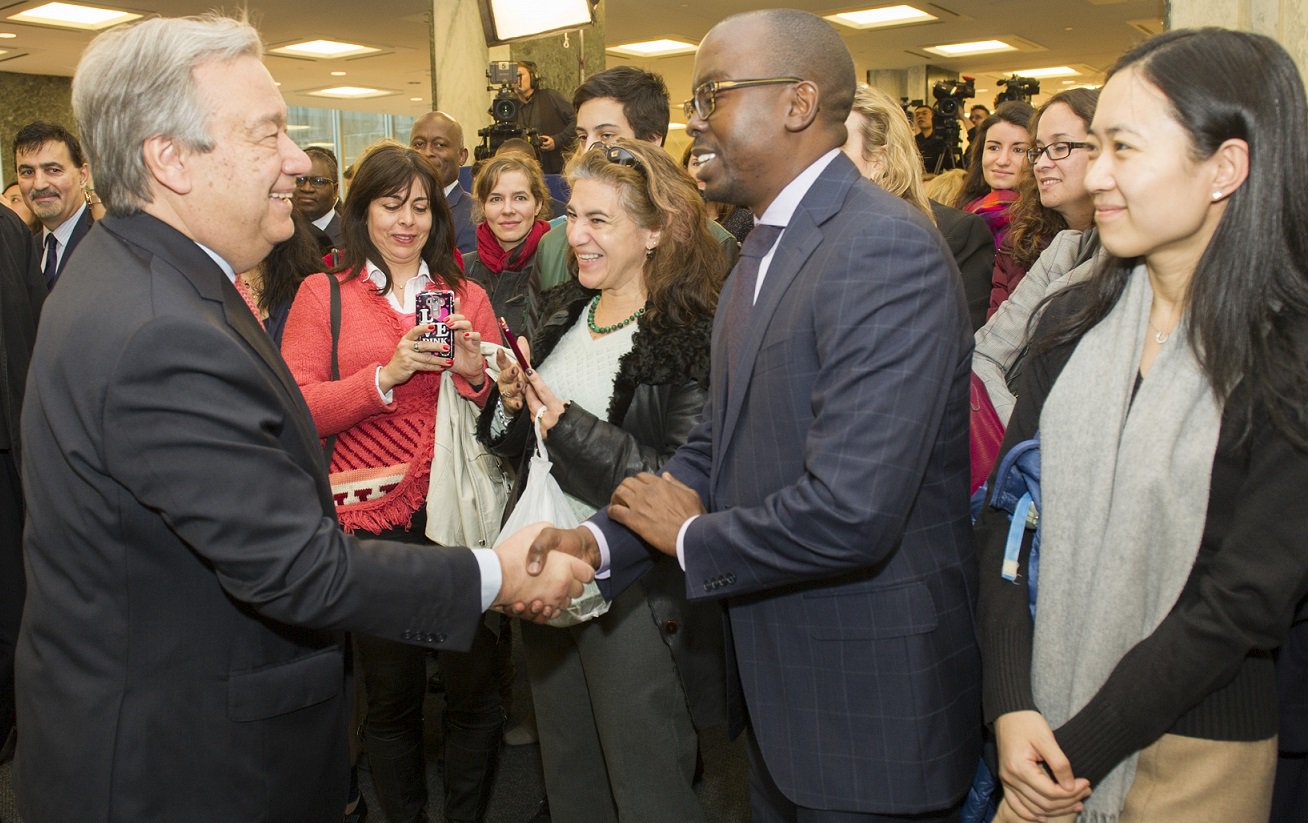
(1170, 392)
(620, 367)
(381, 412)
(996, 165)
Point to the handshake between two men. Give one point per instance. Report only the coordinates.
(544, 567)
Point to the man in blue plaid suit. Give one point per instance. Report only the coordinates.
(824, 498)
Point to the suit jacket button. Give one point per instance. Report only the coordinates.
(671, 626)
(438, 638)
(406, 635)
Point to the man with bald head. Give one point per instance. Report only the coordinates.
(823, 499)
(439, 138)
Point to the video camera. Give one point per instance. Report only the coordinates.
(1017, 88)
(951, 97)
(503, 80)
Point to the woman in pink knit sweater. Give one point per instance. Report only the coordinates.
(382, 411)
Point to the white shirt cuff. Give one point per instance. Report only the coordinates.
(492, 576)
(602, 573)
(387, 397)
(681, 541)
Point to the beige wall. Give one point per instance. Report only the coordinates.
(1283, 20)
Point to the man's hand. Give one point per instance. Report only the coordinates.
(578, 542)
(546, 142)
(654, 508)
(537, 597)
(1026, 748)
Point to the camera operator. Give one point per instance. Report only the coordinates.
(546, 111)
(930, 143)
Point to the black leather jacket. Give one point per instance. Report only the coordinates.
(658, 397)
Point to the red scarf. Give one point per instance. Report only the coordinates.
(494, 257)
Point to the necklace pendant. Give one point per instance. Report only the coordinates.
(1160, 338)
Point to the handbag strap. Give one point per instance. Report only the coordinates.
(335, 288)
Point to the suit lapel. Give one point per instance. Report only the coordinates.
(793, 249)
(802, 235)
(182, 255)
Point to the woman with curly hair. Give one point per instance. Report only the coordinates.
(620, 366)
(1053, 197)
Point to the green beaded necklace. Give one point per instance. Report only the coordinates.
(590, 319)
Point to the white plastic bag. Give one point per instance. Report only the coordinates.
(542, 499)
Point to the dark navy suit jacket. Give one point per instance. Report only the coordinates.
(180, 656)
(465, 233)
(833, 463)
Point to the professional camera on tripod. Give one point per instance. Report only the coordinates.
(1017, 88)
(503, 77)
(951, 97)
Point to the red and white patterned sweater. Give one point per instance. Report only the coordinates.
(381, 465)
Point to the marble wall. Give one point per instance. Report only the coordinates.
(30, 97)
(1282, 20)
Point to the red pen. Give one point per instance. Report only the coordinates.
(513, 344)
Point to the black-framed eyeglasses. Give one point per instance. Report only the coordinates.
(316, 182)
(705, 96)
(1056, 151)
(623, 157)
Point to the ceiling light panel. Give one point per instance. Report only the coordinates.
(74, 16)
(351, 92)
(882, 17)
(323, 49)
(653, 48)
(968, 49)
(1048, 71)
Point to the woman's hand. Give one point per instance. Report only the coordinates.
(1026, 747)
(468, 362)
(539, 394)
(511, 382)
(411, 356)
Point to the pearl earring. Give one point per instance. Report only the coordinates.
(1217, 195)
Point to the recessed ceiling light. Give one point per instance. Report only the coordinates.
(653, 48)
(975, 47)
(1048, 71)
(74, 16)
(881, 17)
(677, 125)
(297, 127)
(350, 92)
(415, 99)
(338, 74)
(324, 49)
(7, 35)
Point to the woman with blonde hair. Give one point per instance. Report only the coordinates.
(882, 147)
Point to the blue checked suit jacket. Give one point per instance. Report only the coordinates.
(833, 463)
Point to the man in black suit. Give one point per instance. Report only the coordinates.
(21, 295)
(439, 138)
(316, 196)
(181, 650)
(52, 176)
(823, 498)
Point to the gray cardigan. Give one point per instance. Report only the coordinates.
(1071, 257)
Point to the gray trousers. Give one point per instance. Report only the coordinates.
(616, 738)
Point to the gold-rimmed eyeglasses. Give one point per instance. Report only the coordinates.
(705, 96)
